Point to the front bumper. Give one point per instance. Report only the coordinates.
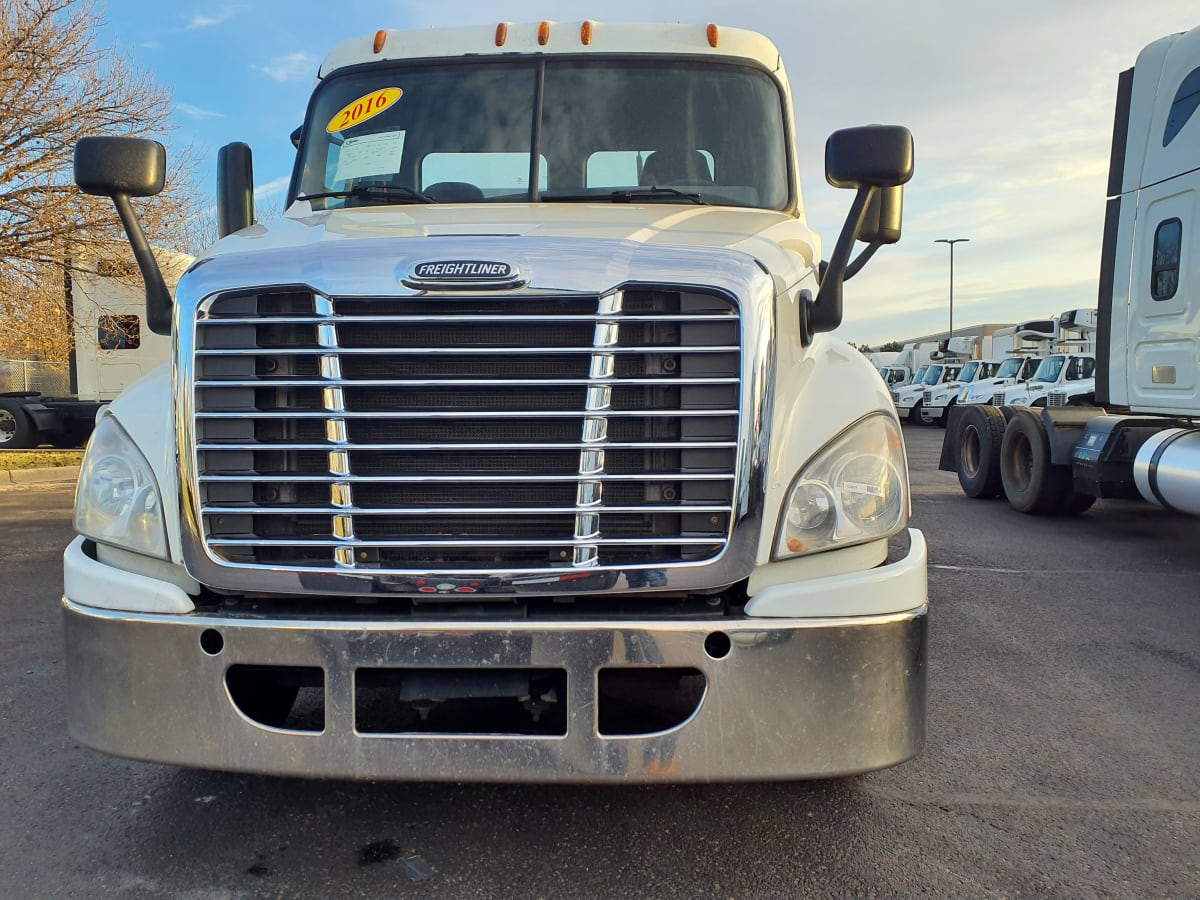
(792, 698)
(933, 413)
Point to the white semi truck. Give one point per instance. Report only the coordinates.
(519, 448)
(1140, 438)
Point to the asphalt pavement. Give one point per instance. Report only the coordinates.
(1063, 756)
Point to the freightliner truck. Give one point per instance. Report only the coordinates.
(519, 448)
(1140, 437)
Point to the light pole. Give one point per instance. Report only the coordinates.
(951, 242)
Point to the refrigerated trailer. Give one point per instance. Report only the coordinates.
(1140, 438)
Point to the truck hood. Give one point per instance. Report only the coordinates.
(782, 242)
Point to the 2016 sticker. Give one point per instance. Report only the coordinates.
(358, 111)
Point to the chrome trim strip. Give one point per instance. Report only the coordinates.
(474, 414)
(462, 351)
(347, 525)
(341, 489)
(409, 320)
(341, 472)
(616, 445)
(465, 382)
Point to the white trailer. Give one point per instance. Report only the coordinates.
(1140, 439)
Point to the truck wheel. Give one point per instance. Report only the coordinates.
(979, 442)
(1031, 482)
(16, 428)
(914, 415)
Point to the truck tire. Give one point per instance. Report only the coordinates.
(16, 428)
(1031, 482)
(914, 415)
(979, 442)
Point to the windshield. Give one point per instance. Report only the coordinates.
(969, 370)
(919, 378)
(1010, 367)
(1049, 369)
(933, 376)
(612, 130)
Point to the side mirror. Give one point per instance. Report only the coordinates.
(884, 214)
(874, 161)
(120, 168)
(296, 136)
(134, 167)
(235, 188)
(869, 156)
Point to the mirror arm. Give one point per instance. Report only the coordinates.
(825, 313)
(855, 265)
(158, 298)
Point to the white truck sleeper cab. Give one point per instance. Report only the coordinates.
(472, 459)
(1121, 423)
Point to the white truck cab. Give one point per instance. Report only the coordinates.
(910, 399)
(939, 398)
(1060, 375)
(1013, 370)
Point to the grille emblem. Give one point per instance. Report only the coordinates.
(462, 274)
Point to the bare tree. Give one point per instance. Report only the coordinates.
(61, 83)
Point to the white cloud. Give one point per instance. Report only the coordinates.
(208, 20)
(195, 112)
(272, 188)
(293, 67)
(150, 45)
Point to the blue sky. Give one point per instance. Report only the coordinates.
(1010, 104)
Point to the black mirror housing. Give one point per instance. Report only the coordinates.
(884, 216)
(105, 166)
(235, 188)
(869, 156)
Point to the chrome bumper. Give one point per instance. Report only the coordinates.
(792, 698)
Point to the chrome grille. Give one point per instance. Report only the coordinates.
(998, 398)
(926, 396)
(1056, 398)
(466, 434)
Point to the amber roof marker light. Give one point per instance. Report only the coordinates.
(544, 33)
(585, 34)
(380, 40)
(501, 33)
(714, 35)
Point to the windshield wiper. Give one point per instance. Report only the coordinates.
(385, 193)
(629, 195)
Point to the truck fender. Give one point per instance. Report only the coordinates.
(1064, 427)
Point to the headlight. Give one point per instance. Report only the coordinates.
(854, 490)
(117, 499)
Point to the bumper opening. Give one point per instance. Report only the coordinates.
(290, 697)
(633, 701)
(460, 701)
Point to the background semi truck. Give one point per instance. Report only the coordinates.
(112, 350)
(1139, 439)
(519, 448)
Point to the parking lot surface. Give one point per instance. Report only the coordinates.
(1063, 756)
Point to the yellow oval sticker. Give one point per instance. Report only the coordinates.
(358, 111)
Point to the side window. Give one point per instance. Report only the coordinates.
(1089, 367)
(1164, 275)
(119, 333)
(1075, 369)
(1187, 98)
